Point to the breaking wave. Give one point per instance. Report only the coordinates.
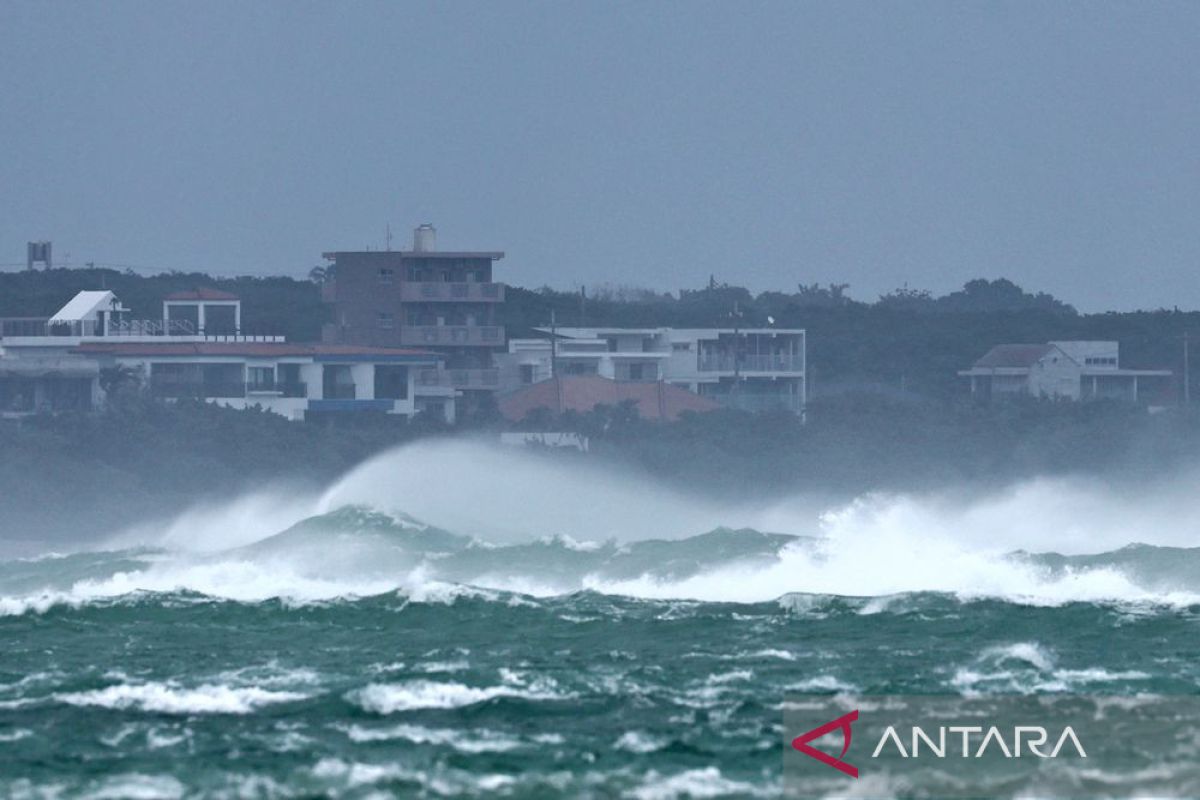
(435, 522)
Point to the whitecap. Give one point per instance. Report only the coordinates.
(381, 698)
(168, 698)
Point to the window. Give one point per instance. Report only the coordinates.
(337, 382)
(681, 347)
(260, 378)
(527, 373)
(387, 275)
(386, 320)
(391, 382)
(635, 371)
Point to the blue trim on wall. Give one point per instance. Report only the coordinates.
(350, 405)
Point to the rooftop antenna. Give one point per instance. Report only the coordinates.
(554, 346)
(389, 238)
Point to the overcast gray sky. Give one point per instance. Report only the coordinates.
(647, 143)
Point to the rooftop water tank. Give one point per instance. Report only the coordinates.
(425, 238)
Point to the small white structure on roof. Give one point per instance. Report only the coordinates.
(89, 313)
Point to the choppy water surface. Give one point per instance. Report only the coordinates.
(363, 653)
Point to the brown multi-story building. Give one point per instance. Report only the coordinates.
(435, 300)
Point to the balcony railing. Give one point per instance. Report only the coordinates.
(278, 389)
(452, 335)
(460, 378)
(724, 362)
(152, 327)
(172, 389)
(40, 326)
(431, 291)
(196, 390)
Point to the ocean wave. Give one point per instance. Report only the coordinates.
(1029, 668)
(476, 741)
(389, 698)
(706, 782)
(873, 556)
(170, 698)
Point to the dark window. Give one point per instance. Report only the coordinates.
(527, 373)
(387, 275)
(386, 320)
(391, 382)
(635, 372)
(337, 382)
(220, 320)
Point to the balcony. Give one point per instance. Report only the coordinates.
(275, 389)
(724, 362)
(452, 335)
(175, 390)
(460, 378)
(434, 292)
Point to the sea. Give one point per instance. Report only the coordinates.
(455, 620)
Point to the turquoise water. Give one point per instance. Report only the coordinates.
(364, 654)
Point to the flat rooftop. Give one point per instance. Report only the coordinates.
(494, 255)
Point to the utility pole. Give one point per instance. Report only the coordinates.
(553, 344)
(1187, 380)
(737, 351)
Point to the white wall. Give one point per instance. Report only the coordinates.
(1055, 375)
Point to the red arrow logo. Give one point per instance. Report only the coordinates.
(843, 723)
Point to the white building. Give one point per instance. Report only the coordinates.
(753, 368)
(1076, 370)
(66, 361)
